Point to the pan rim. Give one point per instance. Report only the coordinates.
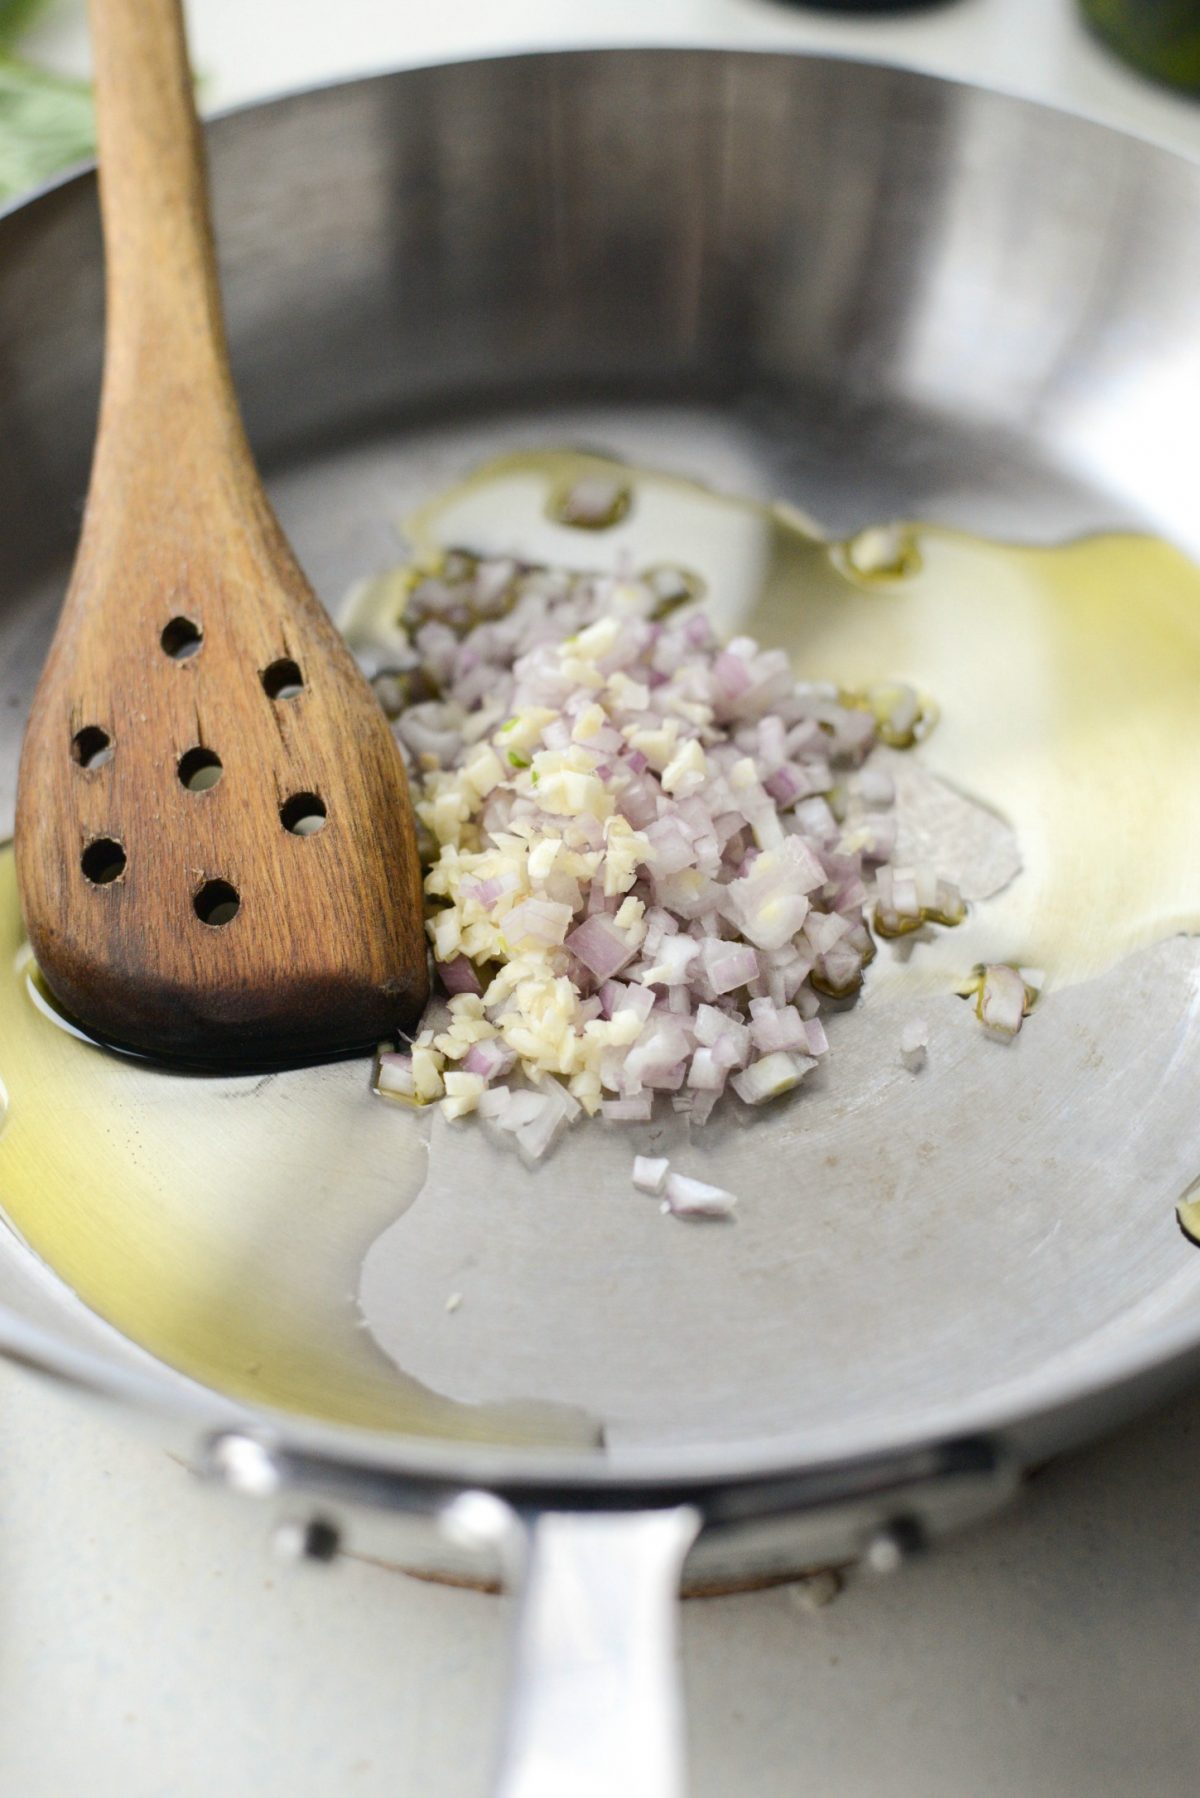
(84, 169)
(414, 1472)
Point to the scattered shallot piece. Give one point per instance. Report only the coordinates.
(695, 1198)
(1188, 1212)
(650, 1173)
(914, 1045)
(1003, 1000)
(906, 898)
(593, 503)
(884, 552)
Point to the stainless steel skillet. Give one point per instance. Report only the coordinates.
(874, 294)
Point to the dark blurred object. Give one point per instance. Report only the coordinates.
(867, 5)
(1160, 37)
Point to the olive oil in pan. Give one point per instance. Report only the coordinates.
(1066, 679)
(220, 1221)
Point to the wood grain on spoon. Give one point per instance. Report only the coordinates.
(214, 836)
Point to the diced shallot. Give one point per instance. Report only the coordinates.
(773, 1027)
(490, 1058)
(1002, 1000)
(728, 965)
(650, 1172)
(914, 1045)
(537, 921)
(772, 1076)
(650, 852)
(629, 1111)
(459, 976)
(395, 1075)
(600, 946)
(535, 1136)
(696, 1198)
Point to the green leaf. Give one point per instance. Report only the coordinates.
(1161, 37)
(46, 123)
(16, 16)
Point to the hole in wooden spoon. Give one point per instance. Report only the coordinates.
(200, 769)
(92, 747)
(282, 680)
(303, 814)
(181, 639)
(103, 861)
(217, 903)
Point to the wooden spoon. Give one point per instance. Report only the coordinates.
(214, 838)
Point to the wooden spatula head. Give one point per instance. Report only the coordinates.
(214, 839)
(215, 844)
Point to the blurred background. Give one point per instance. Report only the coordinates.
(246, 49)
(1046, 1653)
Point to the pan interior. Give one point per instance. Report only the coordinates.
(904, 1243)
(863, 293)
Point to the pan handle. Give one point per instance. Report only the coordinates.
(594, 1706)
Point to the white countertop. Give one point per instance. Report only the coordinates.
(247, 49)
(151, 1647)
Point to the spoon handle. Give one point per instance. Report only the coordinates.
(167, 383)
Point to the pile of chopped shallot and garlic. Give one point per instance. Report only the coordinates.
(650, 854)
